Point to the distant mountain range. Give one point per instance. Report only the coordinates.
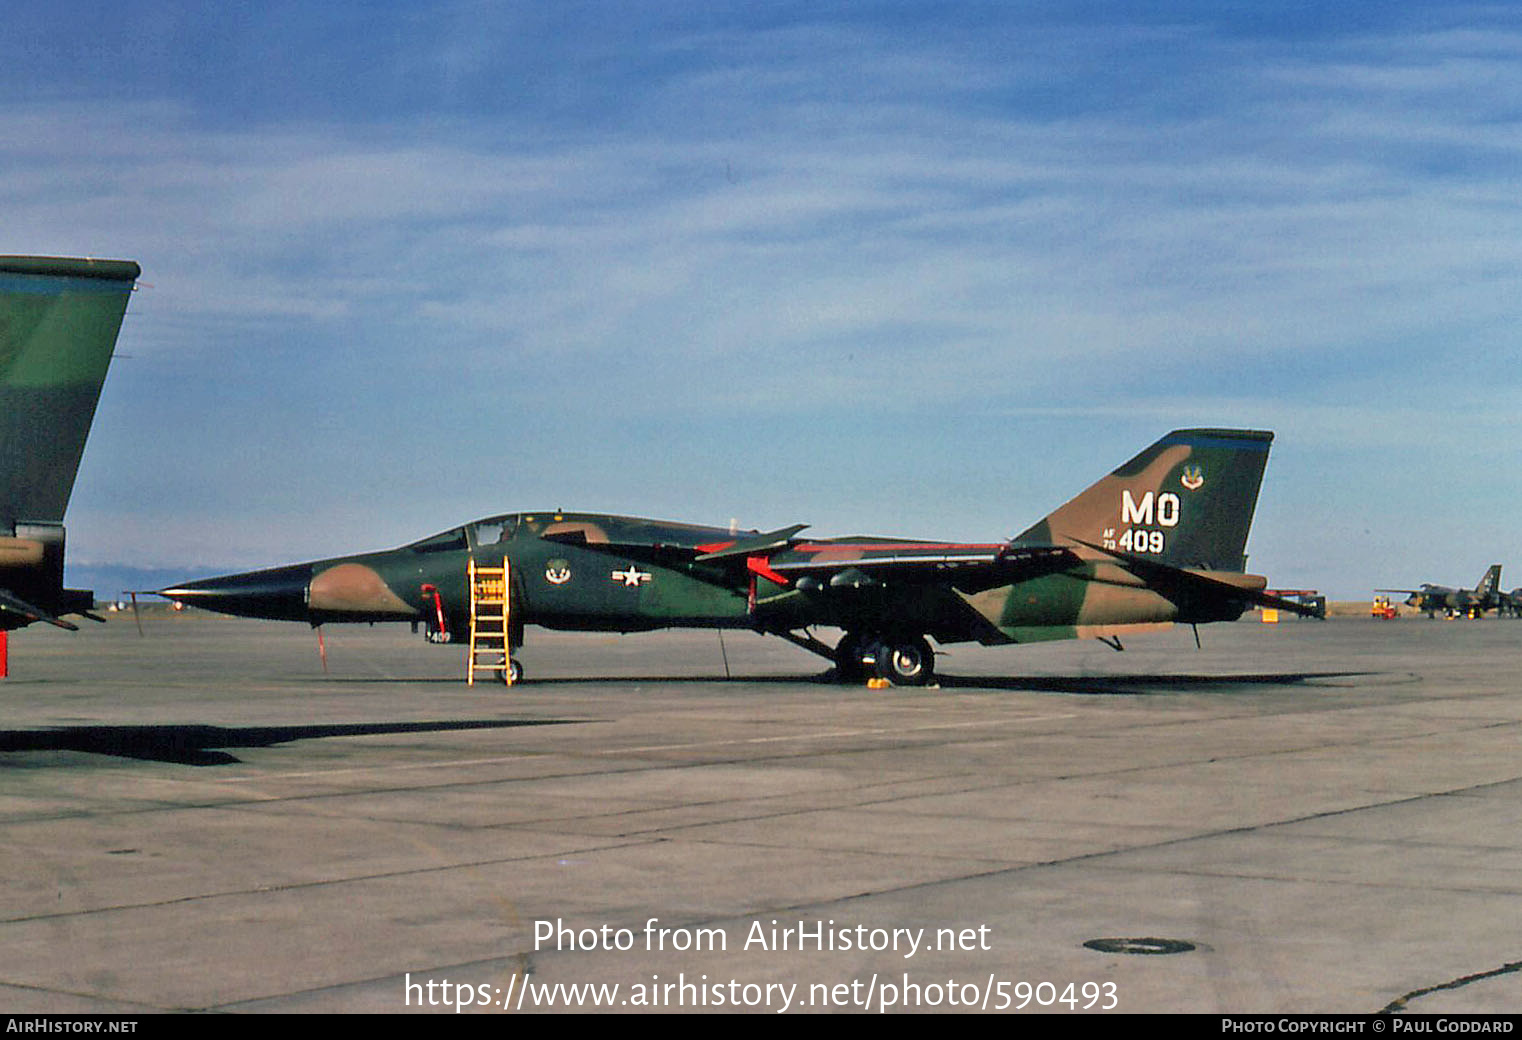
(113, 582)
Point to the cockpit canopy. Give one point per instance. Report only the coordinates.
(588, 528)
(482, 532)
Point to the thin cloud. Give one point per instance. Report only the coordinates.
(814, 225)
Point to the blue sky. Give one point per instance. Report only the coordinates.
(903, 269)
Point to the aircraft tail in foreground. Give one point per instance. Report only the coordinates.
(59, 319)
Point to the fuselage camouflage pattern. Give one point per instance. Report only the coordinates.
(1160, 540)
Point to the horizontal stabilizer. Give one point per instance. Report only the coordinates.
(1177, 583)
(12, 604)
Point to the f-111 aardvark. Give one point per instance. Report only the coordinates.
(1159, 540)
(1485, 596)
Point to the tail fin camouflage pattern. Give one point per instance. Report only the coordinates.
(58, 324)
(1187, 501)
(1160, 540)
(1490, 585)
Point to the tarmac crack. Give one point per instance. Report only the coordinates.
(1399, 1005)
(137, 1006)
(264, 801)
(295, 886)
(1107, 853)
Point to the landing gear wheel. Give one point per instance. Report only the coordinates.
(512, 674)
(905, 662)
(848, 663)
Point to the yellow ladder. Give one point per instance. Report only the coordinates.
(490, 608)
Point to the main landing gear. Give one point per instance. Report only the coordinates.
(902, 660)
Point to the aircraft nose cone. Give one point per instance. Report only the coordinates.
(279, 593)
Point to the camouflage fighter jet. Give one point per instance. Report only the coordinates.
(1511, 604)
(1159, 540)
(58, 324)
(1485, 596)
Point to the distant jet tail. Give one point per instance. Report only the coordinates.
(58, 324)
(1185, 502)
(1490, 584)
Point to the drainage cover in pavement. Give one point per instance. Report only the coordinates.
(1140, 945)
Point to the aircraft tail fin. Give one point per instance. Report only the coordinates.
(1186, 502)
(1490, 584)
(58, 324)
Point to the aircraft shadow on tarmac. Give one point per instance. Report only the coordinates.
(1133, 685)
(200, 745)
(1130, 685)
(204, 745)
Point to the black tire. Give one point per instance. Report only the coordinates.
(513, 669)
(906, 662)
(848, 666)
